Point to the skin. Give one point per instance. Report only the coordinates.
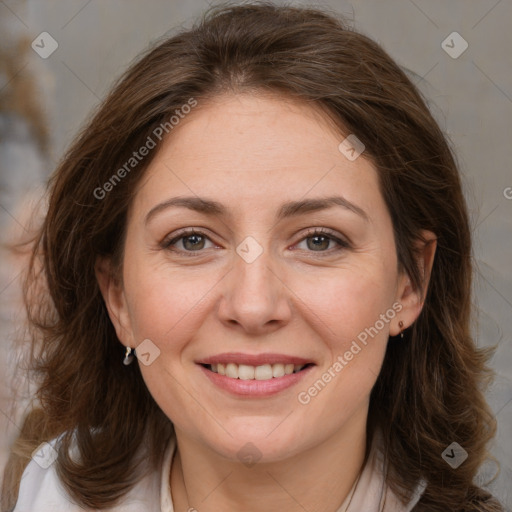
(252, 153)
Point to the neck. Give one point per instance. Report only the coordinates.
(318, 479)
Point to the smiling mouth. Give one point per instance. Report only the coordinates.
(262, 372)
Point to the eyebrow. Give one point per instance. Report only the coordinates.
(288, 209)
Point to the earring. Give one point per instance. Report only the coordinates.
(128, 356)
(401, 325)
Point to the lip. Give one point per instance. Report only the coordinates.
(254, 359)
(255, 388)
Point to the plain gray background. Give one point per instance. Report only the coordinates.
(470, 96)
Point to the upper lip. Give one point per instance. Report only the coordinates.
(253, 359)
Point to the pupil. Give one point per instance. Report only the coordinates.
(317, 238)
(322, 239)
(188, 238)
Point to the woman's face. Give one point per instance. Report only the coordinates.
(256, 288)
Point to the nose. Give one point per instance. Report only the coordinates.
(255, 298)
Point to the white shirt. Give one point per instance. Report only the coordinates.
(41, 490)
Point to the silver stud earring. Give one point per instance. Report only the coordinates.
(401, 325)
(128, 356)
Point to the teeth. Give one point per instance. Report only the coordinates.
(245, 372)
(288, 368)
(232, 370)
(278, 370)
(263, 372)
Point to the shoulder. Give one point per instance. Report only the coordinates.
(41, 489)
(478, 500)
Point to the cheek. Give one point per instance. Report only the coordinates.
(348, 312)
(167, 307)
(344, 302)
(165, 301)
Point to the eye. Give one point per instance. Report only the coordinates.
(190, 241)
(318, 239)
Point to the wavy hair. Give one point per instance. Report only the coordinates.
(430, 390)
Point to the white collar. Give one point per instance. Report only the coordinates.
(369, 493)
(165, 491)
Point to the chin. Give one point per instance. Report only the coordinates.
(261, 443)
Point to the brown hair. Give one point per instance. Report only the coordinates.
(429, 392)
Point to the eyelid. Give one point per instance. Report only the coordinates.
(183, 233)
(325, 231)
(341, 240)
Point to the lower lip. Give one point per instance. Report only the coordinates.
(255, 388)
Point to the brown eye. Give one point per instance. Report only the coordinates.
(319, 240)
(187, 242)
(193, 242)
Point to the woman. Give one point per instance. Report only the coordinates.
(252, 288)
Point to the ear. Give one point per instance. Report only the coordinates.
(113, 294)
(412, 300)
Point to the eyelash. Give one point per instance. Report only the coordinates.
(167, 243)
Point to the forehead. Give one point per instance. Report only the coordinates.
(254, 151)
(254, 131)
